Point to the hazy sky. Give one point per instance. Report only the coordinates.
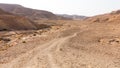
(80, 7)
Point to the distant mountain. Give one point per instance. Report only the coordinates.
(27, 12)
(10, 21)
(74, 17)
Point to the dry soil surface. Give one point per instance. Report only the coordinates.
(93, 45)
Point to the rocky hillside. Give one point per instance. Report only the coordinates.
(28, 12)
(113, 17)
(9, 21)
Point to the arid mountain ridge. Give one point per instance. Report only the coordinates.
(13, 15)
(33, 14)
(17, 17)
(27, 12)
(10, 21)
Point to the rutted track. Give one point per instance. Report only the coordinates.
(30, 59)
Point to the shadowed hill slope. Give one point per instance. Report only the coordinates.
(9, 21)
(30, 13)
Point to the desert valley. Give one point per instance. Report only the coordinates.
(31, 38)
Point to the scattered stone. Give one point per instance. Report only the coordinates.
(5, 39)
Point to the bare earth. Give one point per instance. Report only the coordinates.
(78, 45)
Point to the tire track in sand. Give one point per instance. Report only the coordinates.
(25, 60)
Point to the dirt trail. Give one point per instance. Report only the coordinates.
(40, 57)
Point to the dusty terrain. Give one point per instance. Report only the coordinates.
(74, 44)
(90, 43)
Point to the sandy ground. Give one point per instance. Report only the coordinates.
(74, 46)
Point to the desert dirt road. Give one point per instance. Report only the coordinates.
(78, 47)
(31, 58)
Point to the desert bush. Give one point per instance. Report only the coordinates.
(23, 41)
(34, 34)
(97, 20)
(42, 26)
